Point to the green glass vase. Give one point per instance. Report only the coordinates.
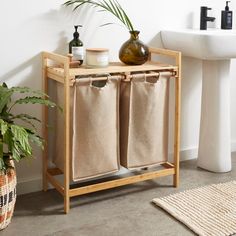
(134, 51)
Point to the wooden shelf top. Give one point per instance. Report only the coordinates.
(114, 67)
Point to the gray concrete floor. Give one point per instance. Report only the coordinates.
(124, 211)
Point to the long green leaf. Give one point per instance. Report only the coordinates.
(5, 97)
(106, 24)
(28, 90)
(21, 138)
(28, 122)
(120, 14)
(114, 8)
(37, 140)
(26, 116)
(34, 137)
(16, 153)
(35, 100)
(8, 140)
(128, 22)
(1, 148)
(79, 5)
(3, 127)
(67, 3)
(111, 6)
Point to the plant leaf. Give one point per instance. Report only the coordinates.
(28, 90)
(111, 6)
(37, 140)
(5, 97)
(106, 24)
(21, 139)
(67, 3)
(16, 154)
(35, 100)
(8, 140)
(128, 22)
(1, 149)
(26, 116)
(3, 127)
(28, 122)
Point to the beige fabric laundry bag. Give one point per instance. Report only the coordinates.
(144, 121)
(94, 129)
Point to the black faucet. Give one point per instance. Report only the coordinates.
(204, 18)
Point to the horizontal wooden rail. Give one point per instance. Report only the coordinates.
(55, 77)
(55, 171)
(120, 182)
(165, 52)
(55, 184)
(56, 57)
(167, 165)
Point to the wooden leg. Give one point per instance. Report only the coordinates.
(45, 121)
(177, 123)
(66, 204)
(67, 140)
(176, 180)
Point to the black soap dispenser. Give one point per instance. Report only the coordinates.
(226, 17)
(76, 47)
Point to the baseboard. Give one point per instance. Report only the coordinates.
(186, 154)
(29, 186)
(233, 146)
(34, 185)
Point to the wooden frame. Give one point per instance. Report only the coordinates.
(66, 75)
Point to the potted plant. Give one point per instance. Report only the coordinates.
(133, 51)
(16, 141)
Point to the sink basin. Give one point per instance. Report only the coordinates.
(215, 48)
(211, 44)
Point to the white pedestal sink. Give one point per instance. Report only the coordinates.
(215, 48)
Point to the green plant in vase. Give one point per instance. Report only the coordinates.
(133, 51)
(16, 140)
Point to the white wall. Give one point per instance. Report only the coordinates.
(29, 27)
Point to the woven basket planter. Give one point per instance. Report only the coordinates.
(7, 197)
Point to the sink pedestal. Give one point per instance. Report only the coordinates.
(215, 48)
(215, 139)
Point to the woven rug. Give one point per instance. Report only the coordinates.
(208, 211)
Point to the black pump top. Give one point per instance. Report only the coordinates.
(76, 33)
(227, 6)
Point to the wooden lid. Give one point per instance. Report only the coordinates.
(97, 49)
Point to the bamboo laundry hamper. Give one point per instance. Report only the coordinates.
(57, 68)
